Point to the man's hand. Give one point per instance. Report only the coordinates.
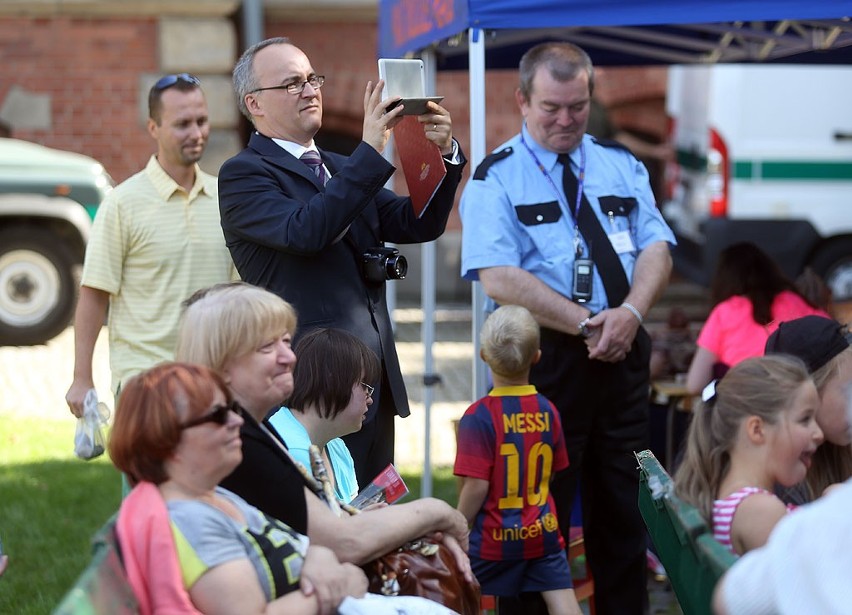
(76, 394)
(378, 121)
(613, 333)
(439, 127)
(618, 325)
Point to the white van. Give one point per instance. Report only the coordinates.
(764, 154)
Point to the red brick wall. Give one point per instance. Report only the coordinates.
(636, 98)
(90, 68)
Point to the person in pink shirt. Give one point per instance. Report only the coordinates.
(751, 296)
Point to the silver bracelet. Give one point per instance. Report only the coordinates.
(633, 310)
(583, 328)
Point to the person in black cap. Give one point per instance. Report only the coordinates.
(824, 345)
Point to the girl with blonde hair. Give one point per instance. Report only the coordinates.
(755, 429)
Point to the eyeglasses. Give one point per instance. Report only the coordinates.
(296, 87)
(368, 389)
(218, 416)
(169, 80)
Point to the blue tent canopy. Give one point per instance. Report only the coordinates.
(475, 34)
(623, 32)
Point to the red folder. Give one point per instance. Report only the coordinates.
(422, 163)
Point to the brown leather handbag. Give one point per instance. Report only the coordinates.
(418, 568)
(424, 568)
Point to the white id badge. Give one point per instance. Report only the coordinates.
(621, 242)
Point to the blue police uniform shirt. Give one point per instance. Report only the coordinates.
(516, 217)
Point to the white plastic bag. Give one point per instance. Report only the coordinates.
(89, 440)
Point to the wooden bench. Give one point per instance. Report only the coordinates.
(102, 588)
(693, 559)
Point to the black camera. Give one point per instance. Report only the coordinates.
(382, 264)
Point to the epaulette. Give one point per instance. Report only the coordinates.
(482, 169)
(613, 144)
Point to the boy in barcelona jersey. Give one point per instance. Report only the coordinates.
(510, 444)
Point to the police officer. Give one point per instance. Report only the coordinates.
(566, 225)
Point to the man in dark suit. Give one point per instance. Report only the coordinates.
(300, 226)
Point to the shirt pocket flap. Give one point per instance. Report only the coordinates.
(538, 213)
(617, 205)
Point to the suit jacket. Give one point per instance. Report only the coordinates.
(284, 233)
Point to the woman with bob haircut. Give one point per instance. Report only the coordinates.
(244, 333)
(176, 435)
(330, 400)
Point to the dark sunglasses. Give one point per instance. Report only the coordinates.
(169, 80)
(218, 416)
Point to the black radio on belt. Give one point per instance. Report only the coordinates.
(584, 270)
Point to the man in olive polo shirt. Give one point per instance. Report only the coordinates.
(156, 239)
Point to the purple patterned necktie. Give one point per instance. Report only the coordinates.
(314, 162)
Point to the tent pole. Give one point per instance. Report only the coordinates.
(427, 299)
(476, 62)
(389, 154)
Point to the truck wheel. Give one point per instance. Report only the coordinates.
(834, 263)
(37, 290)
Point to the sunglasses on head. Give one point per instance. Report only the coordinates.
(169, 80)
(219, 415)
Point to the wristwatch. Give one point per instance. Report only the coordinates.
(583, 328)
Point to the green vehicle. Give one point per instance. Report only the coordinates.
(48, 199)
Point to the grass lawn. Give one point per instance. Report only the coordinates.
(51, 504)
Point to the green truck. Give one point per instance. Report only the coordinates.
(48, 200)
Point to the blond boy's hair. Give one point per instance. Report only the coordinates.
(510, 340)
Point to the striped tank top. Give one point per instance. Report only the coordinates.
(724, 511)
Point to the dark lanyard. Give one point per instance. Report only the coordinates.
(580, 179)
